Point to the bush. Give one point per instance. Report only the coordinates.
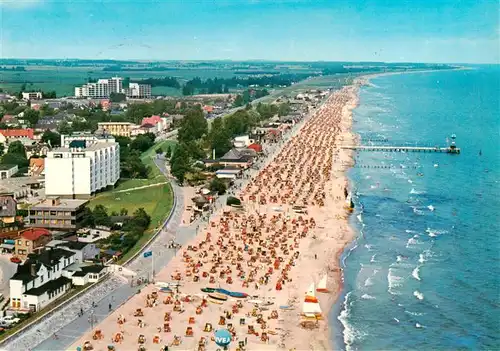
(231, 200)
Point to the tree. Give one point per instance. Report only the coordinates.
(219, 137)
(31, 116)
(17, 147)
(132, 167)
(52, 138)
(231, 200)
(123, 212)
(180, 163)
(49, 94)
(168, 152)
(87, 219)
(193, 126)
(284, 109)
(141, 143)
(101, 216)
(15, 159)
(159, 150)
(64, 128)
(187, 90)
(141, 219)
(117, 97)
(218, 185)
(238, 101)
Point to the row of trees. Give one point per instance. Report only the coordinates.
(132, 230)
(131, 165)
(15, 155)
(248, 96)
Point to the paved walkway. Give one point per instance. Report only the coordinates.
(140, 187)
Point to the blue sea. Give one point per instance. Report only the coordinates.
(423, 273)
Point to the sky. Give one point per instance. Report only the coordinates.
(440, 31)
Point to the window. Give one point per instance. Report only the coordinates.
(41, 279)
(19, 242)
(28, 243)
(53, 213)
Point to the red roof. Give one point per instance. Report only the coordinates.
(34, 233)
(154, 120)
(17, 133)
(208, 108)
(256, 147)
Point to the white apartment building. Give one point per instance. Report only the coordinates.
(82, 169)
(104, 87)
(35, 95)
(138, 91)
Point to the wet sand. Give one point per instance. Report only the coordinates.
(271, 249)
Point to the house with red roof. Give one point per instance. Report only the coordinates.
(17, 134)
(31, 240)
(159, 124)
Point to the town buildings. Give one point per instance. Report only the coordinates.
(48, 275)
(35, 95)
(9, 135)
(103, 88)
(83, 168)
(31, 240)
(8, 209)
(56, 213)
(7, 171)
(115, 128)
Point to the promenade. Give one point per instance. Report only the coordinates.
(68, 325)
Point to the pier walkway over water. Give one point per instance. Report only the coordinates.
(449, 150)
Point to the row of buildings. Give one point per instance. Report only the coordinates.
(103, 89)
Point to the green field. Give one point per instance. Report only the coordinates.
(63, 80)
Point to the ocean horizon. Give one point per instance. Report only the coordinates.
(422, 272)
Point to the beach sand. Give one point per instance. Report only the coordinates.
(271, 249)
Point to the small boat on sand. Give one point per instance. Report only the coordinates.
(231, 293)
(322, 285)
(217, 296)
(208, 290)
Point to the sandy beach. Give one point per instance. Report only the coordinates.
(286, 240)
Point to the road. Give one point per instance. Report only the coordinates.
(7, 270)
(116, 290)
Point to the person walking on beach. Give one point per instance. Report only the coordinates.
(110, 307)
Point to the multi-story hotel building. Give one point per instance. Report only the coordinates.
(56, 213)
(82, 169)
(115, 128)
(104, 87)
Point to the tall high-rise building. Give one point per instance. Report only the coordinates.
(104, 87)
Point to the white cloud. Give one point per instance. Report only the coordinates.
(19, 4)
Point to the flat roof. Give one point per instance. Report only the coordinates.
(91, 147)
(63, 204)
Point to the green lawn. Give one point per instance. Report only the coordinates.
(155, 176)
(156, 201)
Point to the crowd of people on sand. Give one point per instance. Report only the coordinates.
(233, 274)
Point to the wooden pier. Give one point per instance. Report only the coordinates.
(447, 150)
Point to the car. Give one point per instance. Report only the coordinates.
(9, 321)
(15, 259)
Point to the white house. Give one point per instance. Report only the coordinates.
(88, 274)
(40, 280)
(81, 169)
(242, 141)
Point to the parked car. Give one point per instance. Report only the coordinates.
(9, 321)
(15, 259)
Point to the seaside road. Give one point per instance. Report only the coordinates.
(116, 290)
